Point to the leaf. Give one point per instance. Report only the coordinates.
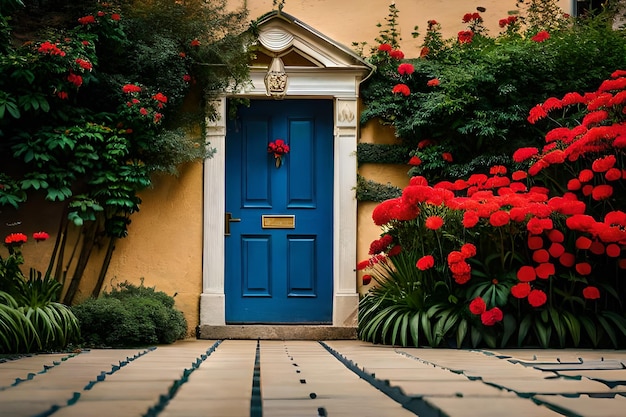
(591, 330)
(414, 327)
(608, 329)
(476, 336)
(573, 326)
(543, 332)
(461, 333)
(558, 325)
(523, 329)
(510, 325)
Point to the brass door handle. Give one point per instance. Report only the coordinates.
(228, 218)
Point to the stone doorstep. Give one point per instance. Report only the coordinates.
(277, 332)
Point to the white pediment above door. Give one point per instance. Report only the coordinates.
(315, 65)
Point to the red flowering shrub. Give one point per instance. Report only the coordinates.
(531, 245)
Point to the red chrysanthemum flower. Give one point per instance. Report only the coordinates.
(526, 273)
(603, 164)
(396, 54)
(425, 262)
(536, 113)
(545, 270)
(541, 36)
(131, 88)
(583, 268)
(401, 89)
(567, 259)
(470, 219)
(585, 175)
(520, 290)
(40, 236)
(613, 174)
(499, 218)
(477, 306)
(434, 222)
(465, 36)
(613, 250)
(535, 242)
(537, 298)
(556, 250)
(406, 69)
(433, 83)
(602, 192)
(597, 248)
(468, 250)
(415, 161)
(583, 243)
(523, 154)
(541, 256)
(491, 317)
(591, 293)
(15, 239)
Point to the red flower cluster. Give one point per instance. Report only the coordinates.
(406, 69)
(468, 17)
(86, 20)
(278, 148)
(50, 49)
(541, 36)
(488, 317)
(465, 36)
(401, 89)
(508, 21)
(131, 88)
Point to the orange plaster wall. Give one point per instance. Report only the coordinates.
(348, 21)
(164, 246)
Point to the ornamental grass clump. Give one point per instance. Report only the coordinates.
(31, 318)
(532, 257)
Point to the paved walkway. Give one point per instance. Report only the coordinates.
(246, 378)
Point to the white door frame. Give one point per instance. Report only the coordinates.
(337, 77)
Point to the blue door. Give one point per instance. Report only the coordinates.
(279, 220)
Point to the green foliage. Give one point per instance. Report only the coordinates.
(368, 190)
(486, 87)
(31, 319)
(129, 316)
(381, 153)
(92, 107)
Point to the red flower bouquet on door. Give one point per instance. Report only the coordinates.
(278, 148)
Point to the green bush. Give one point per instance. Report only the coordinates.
(130, 315)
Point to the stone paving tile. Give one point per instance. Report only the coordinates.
(222, 384)
(329, 384)
(499, 407)
(587, 406)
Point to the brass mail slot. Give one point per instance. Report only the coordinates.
(283, 221)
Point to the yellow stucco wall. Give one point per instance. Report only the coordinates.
(164, 246)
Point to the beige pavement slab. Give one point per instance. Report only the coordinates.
(498, 407)
(587, 406)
